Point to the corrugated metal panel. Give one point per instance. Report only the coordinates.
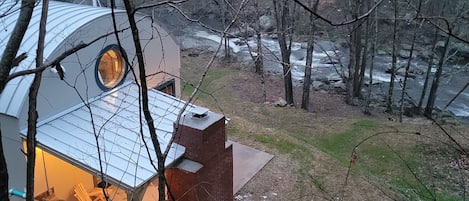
(71, 134)
(63, 19)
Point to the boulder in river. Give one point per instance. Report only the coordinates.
(404, 54)
(242, 32)
(267, 23)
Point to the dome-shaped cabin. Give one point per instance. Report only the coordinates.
(100, 85)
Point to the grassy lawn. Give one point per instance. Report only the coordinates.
(391, 156)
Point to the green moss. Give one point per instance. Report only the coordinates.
(413, 190)
(207, 88)
(281, 145)
(342, 144)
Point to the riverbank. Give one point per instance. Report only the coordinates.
(313, 149)
(330, 58)
(330, 65)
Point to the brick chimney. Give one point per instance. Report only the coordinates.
(206, 170)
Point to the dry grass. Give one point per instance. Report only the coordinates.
(313, 149)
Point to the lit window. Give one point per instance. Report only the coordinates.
(167, 87)
(110, 68)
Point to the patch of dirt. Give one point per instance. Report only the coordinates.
(278, 180)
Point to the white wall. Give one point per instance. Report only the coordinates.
(61, 175)
(161, 54)
(12, 145)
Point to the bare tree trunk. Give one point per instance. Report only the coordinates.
(307, 76)
(364, 57)
(457, 95)
(360, 52)
(7, 62)
(429, 68)
(394, 60)
(281, 14)
(32, 109)
(372, 63)
(11, 49)
(351, 70)
(259, 59)
(309, 60)
(259, 62)
(436, 81)
(31, 137)
(357, 59)
(130, 9)
(226, 39)
(407, 67)
(353, 82)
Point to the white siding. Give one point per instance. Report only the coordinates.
(63, 19)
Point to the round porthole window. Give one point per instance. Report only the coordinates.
(110, 68)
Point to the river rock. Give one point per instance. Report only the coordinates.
(425, 53)
(317, 85)
(381, 52)
(242, 32)
(331, 59)
(333, 77)
(198, 43)
(267, 23)
(424, 40)
(273, 36)
(404, 54)
(409, 75)
(461, 50)
(322, 78)
(280, 102)
(339, 85)
(406, 46)
(440, 45)
(325, 45)
(413, 70)
(457, 50)
(416, 70)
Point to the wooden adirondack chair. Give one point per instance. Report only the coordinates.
(82, 195)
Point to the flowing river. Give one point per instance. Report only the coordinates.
(453, 80)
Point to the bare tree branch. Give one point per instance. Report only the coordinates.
(9, 10)
(14, 42)
(459, 93)
(32, 105)
(152, 5)
(194, 20)
(341, 23)
(207, 67)
(416, 177)
(430, 20)
(19, 59)
(353, 155)
(59, 58)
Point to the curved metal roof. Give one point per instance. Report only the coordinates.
(63, 19)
